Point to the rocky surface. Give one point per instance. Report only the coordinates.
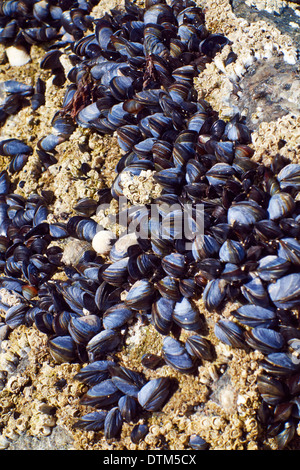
(39, 400)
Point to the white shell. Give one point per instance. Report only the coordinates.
(102, 241)
(17, 56)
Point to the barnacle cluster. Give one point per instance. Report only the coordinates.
(225, 229)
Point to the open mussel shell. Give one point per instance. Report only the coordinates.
(154, 394)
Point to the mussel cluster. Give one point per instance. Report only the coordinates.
(27, 22)
(225, 227)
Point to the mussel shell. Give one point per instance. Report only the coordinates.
(93, 421)
(174, 264)
(176, 356)
(254, 315)
(117, 316)
(289, 176)
(245, 213)
(186, 315)
(141, 295)
(12, 147)
(286, 435)
(168, 287)
(280, 364)
(102, 343)
(116, 273)
(62, 349)
(265, 340)
(199, 347)
(232, 252)
(113, 423)
(15, 315)
(214, 294)
(197, 443)
(82, 329)
(272, 267)
(285, 292)
(128, 408)
(213, 44)
(230, 333)
(138, 433)
(289, 249)
(161, 315)
(94, 373)
(255, 292)
(280, 205)
(204, 246)
(102, 394)
(154, 394)
(272, 390)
